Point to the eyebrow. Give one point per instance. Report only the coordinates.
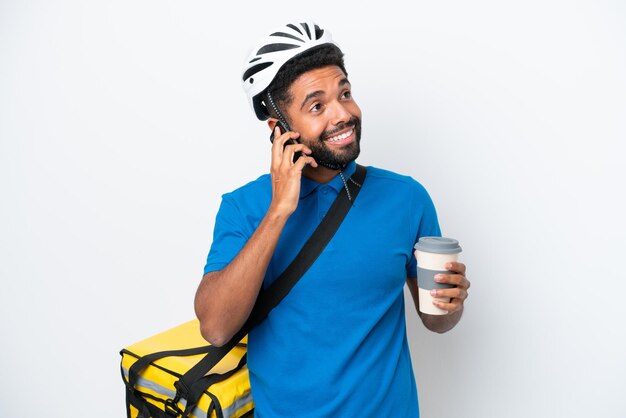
(319, 93)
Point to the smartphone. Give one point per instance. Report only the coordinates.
(284, 127)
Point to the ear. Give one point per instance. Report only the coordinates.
(271, 122)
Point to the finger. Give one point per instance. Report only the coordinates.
(453, 306)
(289, 155)
(280, 139)
(453, 293)
(278, 146)
(290, 151)
(453, 279)
(456, 267)
(277, 149)
(304, 160)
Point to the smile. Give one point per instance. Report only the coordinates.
(341, 139)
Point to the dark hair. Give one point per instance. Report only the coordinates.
(317, 57)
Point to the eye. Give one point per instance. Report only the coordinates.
(316, 107)
(346, 94)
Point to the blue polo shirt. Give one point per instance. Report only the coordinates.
(336, 346)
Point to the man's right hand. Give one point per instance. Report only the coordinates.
(286, 174)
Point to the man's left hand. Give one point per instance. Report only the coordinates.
(456, 294)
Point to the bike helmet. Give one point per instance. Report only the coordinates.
(272, 52)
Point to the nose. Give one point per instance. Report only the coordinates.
(339, 113)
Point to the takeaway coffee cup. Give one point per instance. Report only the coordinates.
(432, 254)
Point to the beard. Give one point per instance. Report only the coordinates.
(337, 158)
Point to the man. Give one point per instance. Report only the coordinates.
(336, 345)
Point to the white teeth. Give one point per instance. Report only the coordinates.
(340, 137)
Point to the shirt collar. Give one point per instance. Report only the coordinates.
(307, 186)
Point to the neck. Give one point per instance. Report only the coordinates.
(319, 174)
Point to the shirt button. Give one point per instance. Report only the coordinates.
(321, 214)
(324, 191)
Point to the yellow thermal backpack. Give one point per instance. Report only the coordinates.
(165, 357)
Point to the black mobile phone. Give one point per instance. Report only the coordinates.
(284, 127)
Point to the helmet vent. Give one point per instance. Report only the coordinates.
(275, 48)
(255, 69)
(306, 28)
(318, 32)
(286, 35)
(294, 27)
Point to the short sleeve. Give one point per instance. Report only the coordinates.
(427, 224)
(230, 234)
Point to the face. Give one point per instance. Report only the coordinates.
(326, 116)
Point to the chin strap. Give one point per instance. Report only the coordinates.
(345, 184)
(330, 165)
(343, 177)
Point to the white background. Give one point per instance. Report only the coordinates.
(123, 122)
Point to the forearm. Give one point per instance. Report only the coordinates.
(435, 323)
(441, 323)
(225, 298)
